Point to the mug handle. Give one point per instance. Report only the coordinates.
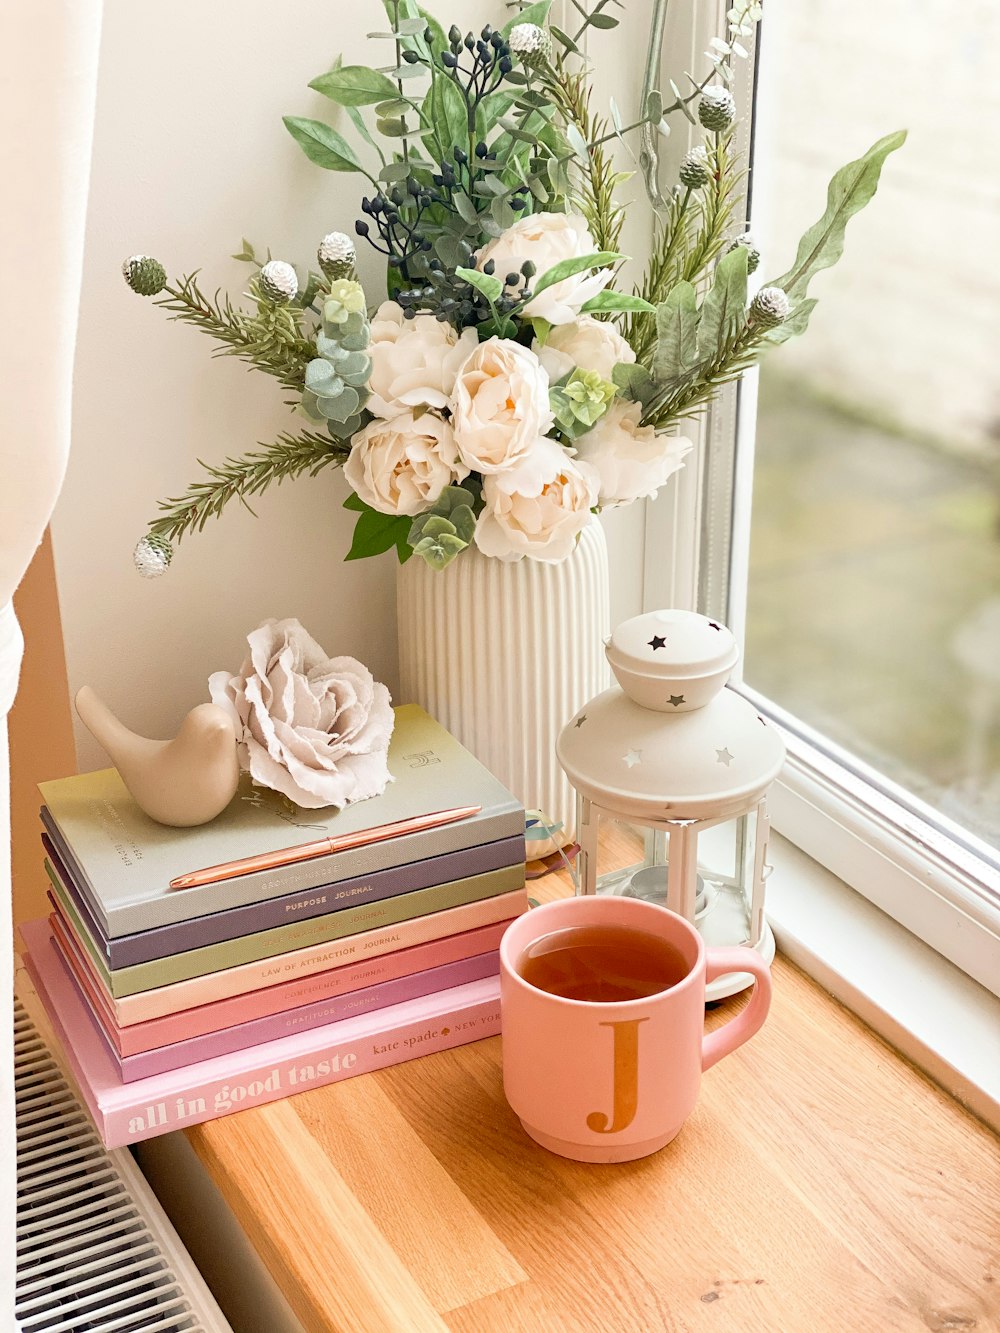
(725, 1039)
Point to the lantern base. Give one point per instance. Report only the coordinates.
(734, 982)
(720, 918)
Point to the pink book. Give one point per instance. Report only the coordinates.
(300, 964)
(291, 996)
(128, 1112)
(318, 1014)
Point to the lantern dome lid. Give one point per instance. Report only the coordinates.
(672, 660)
(710, 762)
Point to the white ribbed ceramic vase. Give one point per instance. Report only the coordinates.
(503, 654)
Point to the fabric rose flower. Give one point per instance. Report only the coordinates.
(414, 361)
(545, 525)
(632, 461)
(586, 344)
(500, 406)
(402, 466)
(313, 727)
(547, 239)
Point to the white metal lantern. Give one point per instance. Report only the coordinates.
(674, 754)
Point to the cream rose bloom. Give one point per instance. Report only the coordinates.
(546, 525)
(547, 239)
(587, 343)
(500, 406)
(414, 361)
(313, 727)
(402, 466)
(632, 461)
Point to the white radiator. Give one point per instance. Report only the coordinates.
(95, 1252)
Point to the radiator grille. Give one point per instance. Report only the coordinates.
(94, 1252)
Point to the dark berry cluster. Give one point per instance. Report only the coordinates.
(450, 298)
(397, 214)
(477, 64)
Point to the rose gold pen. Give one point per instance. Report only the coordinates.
(306, 851)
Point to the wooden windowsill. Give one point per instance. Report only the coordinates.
(822, 1183)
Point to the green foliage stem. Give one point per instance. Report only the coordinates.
(236, 478)
(269, 339)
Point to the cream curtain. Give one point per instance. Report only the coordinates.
(47, 96)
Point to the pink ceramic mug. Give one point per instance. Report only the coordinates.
(611, 1082)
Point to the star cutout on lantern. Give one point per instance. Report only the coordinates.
(633, 757)
(657, 641)
(676, 700)
(724, 757)
(713, 625)
(580, 721)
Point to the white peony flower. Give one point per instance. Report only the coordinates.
(500, 405)
(632, 461)
(402, 466)
(587, 343)
(547, 239)
(544, 526)
(313, 727)
(414, 361)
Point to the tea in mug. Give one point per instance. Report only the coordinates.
(602, 964)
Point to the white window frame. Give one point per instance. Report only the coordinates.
(875, 838)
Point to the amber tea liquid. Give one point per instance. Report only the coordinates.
(602, 964)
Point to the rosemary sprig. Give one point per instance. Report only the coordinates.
(235, 479)
(270, 340)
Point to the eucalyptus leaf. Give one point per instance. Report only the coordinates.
(344, 405)
(395, 106)
(393, 129)
(566, 268)
(409, 27)
(723, 311)
(354, 85)
(677, 317)
(618, 303)
(564, 40)
(487, 283)
(321, 144)
(577, 142)
(654, 106)
(850, 189)
(465, 208)
(394, 171)
(605, 21)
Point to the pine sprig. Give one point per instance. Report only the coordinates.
(693, 234)
(597, 174)
(685, 398)
(717, 204)
(270, 340)
(671, 245)
(237, 478)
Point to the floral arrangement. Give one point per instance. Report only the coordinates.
(508, 387)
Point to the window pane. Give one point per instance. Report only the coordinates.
(874, 595)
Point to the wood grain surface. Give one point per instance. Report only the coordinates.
(821, 1184)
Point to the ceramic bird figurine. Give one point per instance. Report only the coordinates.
(182, 782)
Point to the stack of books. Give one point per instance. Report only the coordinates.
(176, 1005)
